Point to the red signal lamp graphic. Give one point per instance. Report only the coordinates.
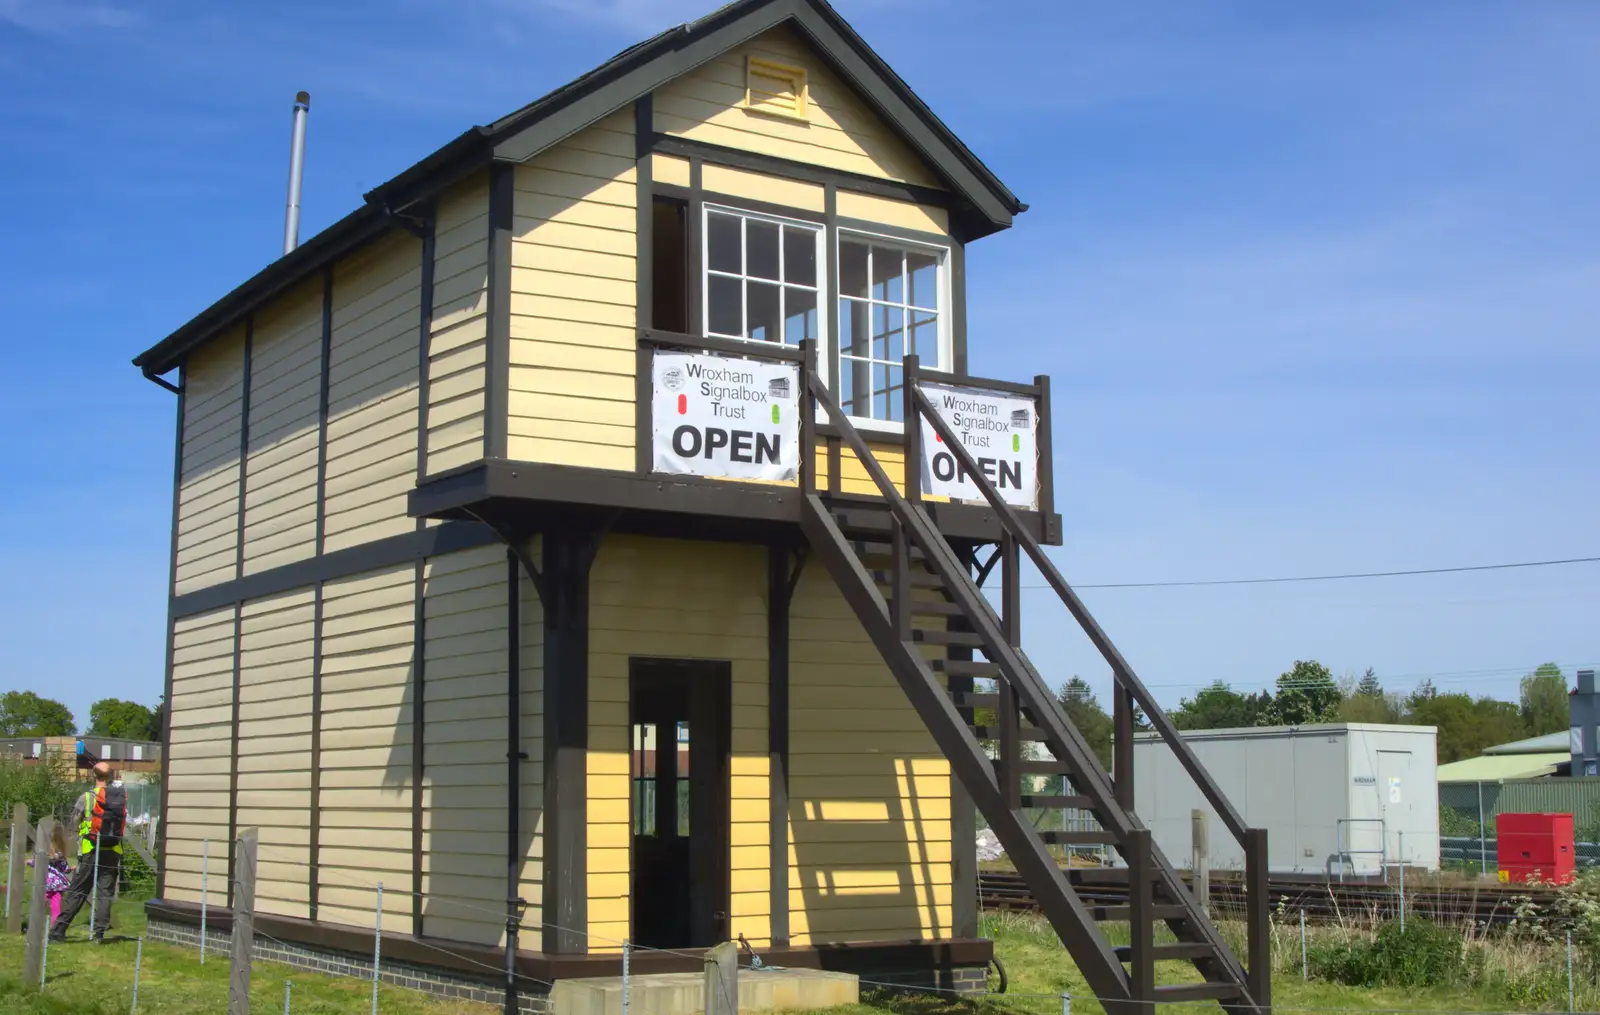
(683, 405)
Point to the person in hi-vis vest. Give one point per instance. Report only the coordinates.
(100, 814)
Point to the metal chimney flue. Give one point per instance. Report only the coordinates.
(297, 165)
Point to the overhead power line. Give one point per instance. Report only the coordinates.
(1329, 577)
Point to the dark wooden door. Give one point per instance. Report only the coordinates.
(681, 730)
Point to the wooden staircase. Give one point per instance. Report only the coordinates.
(954, 653)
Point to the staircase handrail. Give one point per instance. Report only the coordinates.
(926, 535)
(1124, 674)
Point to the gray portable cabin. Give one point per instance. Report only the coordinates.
(1341, 799)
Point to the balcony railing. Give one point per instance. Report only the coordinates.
(821, 447)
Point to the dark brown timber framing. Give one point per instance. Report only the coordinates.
(424, 344)
(784, 564)
(644, 273)
(172, 637)
(233, 747)
(689, 507)
(314, 843)
(569, 549)
(963, 812)
(322, 410)
(497, 368)
(419, 699)
(514, 759)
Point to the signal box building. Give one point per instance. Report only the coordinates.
(551, 548)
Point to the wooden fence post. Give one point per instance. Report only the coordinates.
(14, 868)
(1200, 865)
(244, 924)
(722, 979)
(38, 911)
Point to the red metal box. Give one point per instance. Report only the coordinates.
(1535, 847)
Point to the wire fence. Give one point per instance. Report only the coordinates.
(494, 974)
(1472, 809)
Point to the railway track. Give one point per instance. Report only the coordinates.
(1322, 902)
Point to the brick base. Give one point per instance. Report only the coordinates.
(963, 980)
(532, 998)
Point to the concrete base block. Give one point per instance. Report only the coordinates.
(684, 993)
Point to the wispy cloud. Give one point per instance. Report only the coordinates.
(56, 17)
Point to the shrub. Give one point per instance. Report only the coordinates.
(137, 877)
(47, 787)
(1422, 954)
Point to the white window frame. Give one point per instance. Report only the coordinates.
(818, 228)
(830, 357)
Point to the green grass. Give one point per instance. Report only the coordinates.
(83, 979)
(1040, 971)
(86, 979)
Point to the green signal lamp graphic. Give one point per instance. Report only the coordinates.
(775, 412)
(1016, 442)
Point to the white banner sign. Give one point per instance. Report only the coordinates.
(715, 416)
(1000, 431)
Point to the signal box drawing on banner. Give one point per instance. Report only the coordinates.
(587, 538)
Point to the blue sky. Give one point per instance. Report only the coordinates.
(1317, 284)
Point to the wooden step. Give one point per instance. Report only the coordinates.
(993, 733)
(871, 548)
(935, 608)
(1050, 766)
(960, 639)
(1099, 877)
(975, 699)
(1159, 911)
(966, 668)
(1180, 950)
(1062, 838)
(1176, 992)
(862, 519)
(919, 578)
(1055, 800)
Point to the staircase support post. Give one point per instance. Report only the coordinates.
(913, 424)
(808, 419)
(1258, 976)
(1122, 744)
(1141, 926)
(900, 581)
(1008, 717)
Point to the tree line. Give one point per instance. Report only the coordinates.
(1308, 693)
(26, 714)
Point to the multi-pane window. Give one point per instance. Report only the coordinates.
(761, 278)
(889, 307)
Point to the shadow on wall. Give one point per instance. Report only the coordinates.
(875, 865)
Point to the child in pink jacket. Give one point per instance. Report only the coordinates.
(57, 875)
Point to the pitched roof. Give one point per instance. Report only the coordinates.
(1550, 743)
(634, 72)
(1491, 768)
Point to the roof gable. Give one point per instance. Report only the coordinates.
(838, 130)
(688, 48)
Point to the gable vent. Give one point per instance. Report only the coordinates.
(775, 88)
